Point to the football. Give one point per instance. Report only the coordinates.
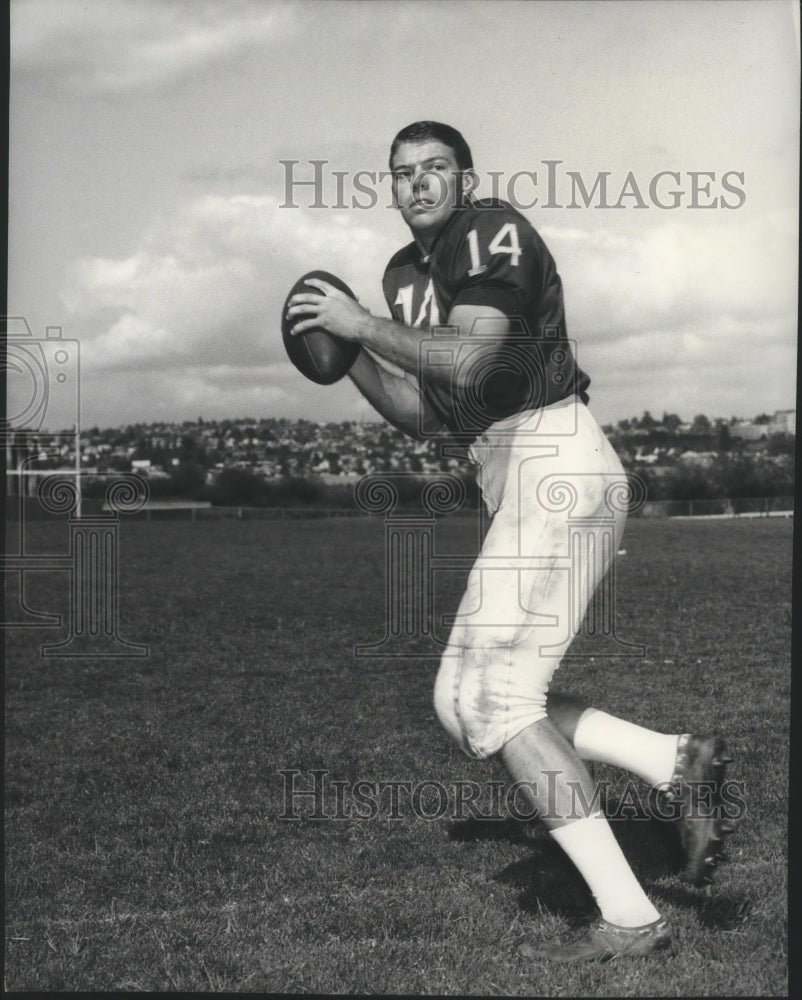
(317, 354)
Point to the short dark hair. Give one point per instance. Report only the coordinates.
(435, 132)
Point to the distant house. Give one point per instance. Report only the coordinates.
(783, 422)
(704, 458)
(745, 430)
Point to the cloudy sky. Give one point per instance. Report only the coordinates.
(153, 218)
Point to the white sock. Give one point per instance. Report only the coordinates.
(603, 738)
(591, 845)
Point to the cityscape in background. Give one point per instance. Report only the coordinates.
(273, 447)
(342, 452)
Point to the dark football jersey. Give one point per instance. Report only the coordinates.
(487, 254)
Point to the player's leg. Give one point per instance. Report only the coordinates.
(550, 771)
(587, 466)
(602, 738)
(690, 768)
(689, 771)
(542, 760)
(497, 682)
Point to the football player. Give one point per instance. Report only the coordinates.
(503, 379)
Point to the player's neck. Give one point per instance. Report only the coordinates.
(426, 241)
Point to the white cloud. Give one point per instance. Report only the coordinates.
(680, 276)
(171, 395)
(190, 320)
(118, 45)
(690, 315)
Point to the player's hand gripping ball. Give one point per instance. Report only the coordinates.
(321, 356)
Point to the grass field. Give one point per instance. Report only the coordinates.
(145, 844)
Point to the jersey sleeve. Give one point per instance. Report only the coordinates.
(497, 261)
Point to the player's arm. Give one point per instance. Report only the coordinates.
(396, 396)
(391, 340)
(402, 345)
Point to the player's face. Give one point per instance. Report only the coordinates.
(427, 186)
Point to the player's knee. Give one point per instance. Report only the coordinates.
(487, 726)
(455, 699)
(483, 699)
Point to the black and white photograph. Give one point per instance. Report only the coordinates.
(399, 461)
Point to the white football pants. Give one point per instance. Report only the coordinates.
(558, 495)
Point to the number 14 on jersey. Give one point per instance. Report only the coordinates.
(505, 241)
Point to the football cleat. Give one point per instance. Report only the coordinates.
(601, 942)
(699, 773)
